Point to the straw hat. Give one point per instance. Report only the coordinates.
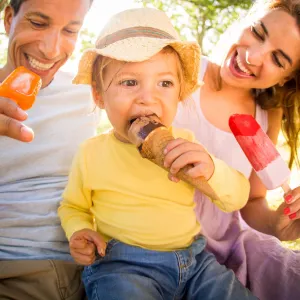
(136, 35)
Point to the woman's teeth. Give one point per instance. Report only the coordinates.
(38, 65)
(241, 66)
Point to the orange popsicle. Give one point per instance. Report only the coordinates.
(21, 86)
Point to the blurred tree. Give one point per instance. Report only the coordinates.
(3, 38)
(201, 18)
(87, 39)
(3, 3)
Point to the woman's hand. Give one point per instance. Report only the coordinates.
(11, 117)
(83, 245)
(180, 153)
(288, 217)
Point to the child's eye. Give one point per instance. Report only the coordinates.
(166, 83)
(129, 82)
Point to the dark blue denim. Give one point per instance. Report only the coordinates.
(132, 273)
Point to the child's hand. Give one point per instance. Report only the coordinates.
(180, 153)
(83, 244)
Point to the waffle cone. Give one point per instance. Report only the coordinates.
(153, 149)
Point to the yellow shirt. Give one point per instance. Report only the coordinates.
(133, 200)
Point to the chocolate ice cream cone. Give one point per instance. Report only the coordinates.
(151, 138)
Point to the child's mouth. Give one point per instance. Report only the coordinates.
(132, 120)
(152, 116)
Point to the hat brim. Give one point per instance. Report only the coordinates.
(131, 50)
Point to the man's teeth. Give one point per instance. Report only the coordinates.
(38, 65)
(241, 66)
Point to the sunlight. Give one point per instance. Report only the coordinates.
(98, 15)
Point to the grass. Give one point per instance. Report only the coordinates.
(274, 197)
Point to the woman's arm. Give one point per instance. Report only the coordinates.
(257, 213)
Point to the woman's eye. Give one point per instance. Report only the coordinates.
(130, 82)
(256, 33)
(276, 60)
(166, 83)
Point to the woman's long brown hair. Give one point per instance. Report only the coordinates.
(287, 96)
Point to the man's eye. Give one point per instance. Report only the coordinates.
(166, 83)
(257, 34)
(37, 24)
(71, 31)
(129, 82)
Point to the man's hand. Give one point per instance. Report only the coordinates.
(11, 117)
(180, 153)
(83, 244)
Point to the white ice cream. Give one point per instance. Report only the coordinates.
(274, 174)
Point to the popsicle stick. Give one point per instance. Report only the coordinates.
(286, 187)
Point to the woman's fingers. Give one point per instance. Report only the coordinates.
(292, 195)
(293, 210)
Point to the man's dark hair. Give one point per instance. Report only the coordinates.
(16, 4)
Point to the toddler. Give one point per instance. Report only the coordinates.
(154, 249)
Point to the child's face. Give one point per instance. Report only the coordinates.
(131, 90)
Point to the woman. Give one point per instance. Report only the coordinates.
(258, 75)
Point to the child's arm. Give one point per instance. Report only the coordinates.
(75, 215)
(83, 244)
(230, 185)
(74, 210)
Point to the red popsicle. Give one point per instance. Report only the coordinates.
(260, 151)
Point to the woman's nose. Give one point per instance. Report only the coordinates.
(255, 56)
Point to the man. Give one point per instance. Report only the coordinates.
(34, 255)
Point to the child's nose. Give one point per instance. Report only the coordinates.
(146, 96)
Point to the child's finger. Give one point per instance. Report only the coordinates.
(78, 243)
(199, 170)
(83, 259)
(188, 158)
(173, 144)
(173, 178)
(89, 236)
(180, 149)
(89, 249)
(97, 239)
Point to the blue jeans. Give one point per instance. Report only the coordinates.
(132, 273)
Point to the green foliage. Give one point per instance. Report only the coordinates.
(87, 39)
(204, 20)
(3, 3)
(3, 38)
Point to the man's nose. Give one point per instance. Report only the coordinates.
(51, 45)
